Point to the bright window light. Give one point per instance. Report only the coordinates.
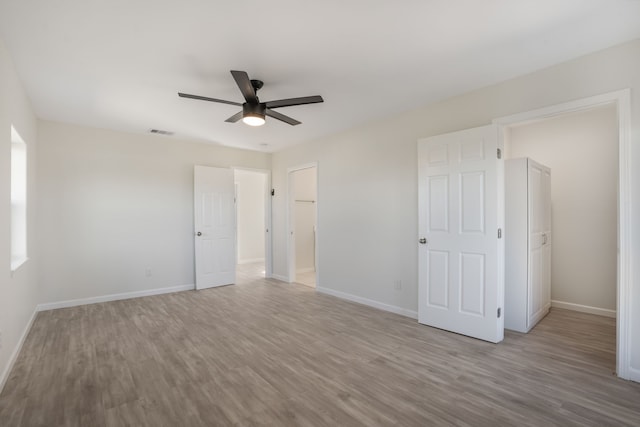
(18, 200)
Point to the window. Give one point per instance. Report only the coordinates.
(18, 200)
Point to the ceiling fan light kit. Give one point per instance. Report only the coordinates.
(253, 111)
(253, 114)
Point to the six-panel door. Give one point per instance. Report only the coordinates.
(460, 279)
(215, 226)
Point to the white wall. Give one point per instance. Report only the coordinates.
(251, 189)
(18, 292)
(304, 191)
(114, 205)
(368, 181)
(582, 151)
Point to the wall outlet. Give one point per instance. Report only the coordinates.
(147, 272)
(397, 285)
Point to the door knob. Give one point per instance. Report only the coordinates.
(198, 234)
(423, 241)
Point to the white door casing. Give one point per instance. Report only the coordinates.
(215, 226)
(460, 272)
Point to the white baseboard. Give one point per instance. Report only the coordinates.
(584, 308)
(279, 277)
(306, 270)
(250, 261)
(16, 351)
(371, 303)
(634, 374)
(112, 297)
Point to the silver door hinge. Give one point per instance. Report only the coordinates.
(499, 233)
(499, 153)
(499, 312)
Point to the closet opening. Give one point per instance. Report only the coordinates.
(581, 149)
(303, 224)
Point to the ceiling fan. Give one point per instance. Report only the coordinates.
(253, 111)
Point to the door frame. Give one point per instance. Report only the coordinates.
(291, 248)
(268, 233)
(621, 99)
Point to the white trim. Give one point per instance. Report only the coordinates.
(564, 108)
(369, 302)
(622, 100)
(113, 297)
(280, 277)
(583, 308)
(634, 374)
(18, 262)
(623, 335)
(16, 351)
(250, 260)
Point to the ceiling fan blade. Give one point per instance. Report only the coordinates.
(234, 118)
(294, 101)
(281, 117)
(243, 82)
(204, 98)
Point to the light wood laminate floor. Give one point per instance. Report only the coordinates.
(267, 353)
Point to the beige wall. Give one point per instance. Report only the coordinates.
(18, 291)
(368, 178)
(582, 151)
(117, 204)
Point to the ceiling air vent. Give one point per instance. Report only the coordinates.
(161, 132)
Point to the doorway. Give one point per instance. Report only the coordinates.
(620, 103)
(303, 224)
(581, 150)
(253, 224)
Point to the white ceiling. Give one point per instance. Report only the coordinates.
(118, 64)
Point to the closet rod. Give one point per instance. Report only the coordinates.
(306, 201)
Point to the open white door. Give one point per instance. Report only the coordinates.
(461, 257)
(215, 227)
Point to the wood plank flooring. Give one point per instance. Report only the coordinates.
(266, 353)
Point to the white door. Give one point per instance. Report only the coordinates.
(215, 226)
(539, 201)
(461, 258)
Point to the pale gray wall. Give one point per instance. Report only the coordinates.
(18, 291)
(368, 177)
(117, 204)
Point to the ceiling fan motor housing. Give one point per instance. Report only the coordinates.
(257, 84)
(255, 110)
